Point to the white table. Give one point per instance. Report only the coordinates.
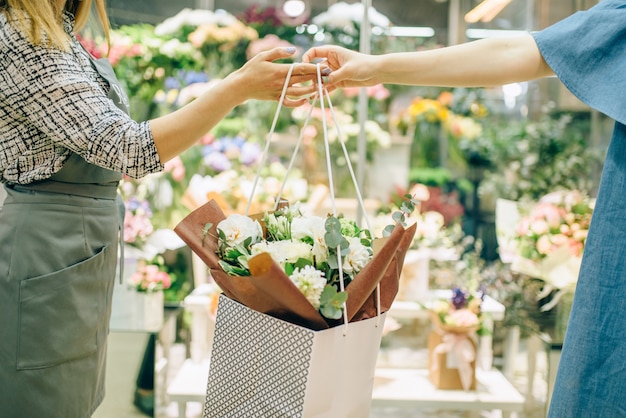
(189, 385)
(411, 388)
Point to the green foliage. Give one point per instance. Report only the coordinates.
(331, 302)
(407, 207)
(534, 158)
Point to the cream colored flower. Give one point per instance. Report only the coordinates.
(310, 282)
(357, 258)
(282, 252)
(312, 227)
(237, 228)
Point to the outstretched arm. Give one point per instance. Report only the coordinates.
(482, 63)
(259, 79)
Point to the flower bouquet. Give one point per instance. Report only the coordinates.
(289, 281)
(549, 241)
(287, 265)
(452, 342)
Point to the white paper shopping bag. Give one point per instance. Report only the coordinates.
(265, 367)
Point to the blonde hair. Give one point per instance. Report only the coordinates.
(41, 20)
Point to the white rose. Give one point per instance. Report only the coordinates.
(310, 282)
(237, 228)
(357, 258)
(314, 228)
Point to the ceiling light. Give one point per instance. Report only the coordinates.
(293, 12)
(294, 8)
(486, 11)
(411, 31)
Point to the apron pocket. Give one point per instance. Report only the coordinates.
(60, 313)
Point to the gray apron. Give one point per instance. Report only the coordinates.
(58, 252)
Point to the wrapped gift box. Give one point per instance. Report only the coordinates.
(450, 355)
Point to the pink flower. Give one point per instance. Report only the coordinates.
(550, 213)
(523, 227)
(150, 277)
(576, 248)
(268, 42)
(539, 227)
(176, 167)
(544, 246)
(378, 92)
(462, 318)
(559, 240)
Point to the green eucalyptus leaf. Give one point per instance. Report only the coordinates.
(331, 302)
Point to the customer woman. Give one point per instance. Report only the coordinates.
(65, 141)
(587, 51)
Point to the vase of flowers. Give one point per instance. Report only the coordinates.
(149, 281)
(550, 240)
(452, 344)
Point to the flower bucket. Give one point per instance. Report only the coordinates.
(148, 309)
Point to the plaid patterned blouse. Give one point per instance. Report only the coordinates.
(53, 103)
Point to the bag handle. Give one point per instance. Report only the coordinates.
(322, 92)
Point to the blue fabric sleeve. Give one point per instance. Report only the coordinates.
(587, 52)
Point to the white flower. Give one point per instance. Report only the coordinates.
(312, 227)
(195, 18)
(237, 228)
(430, 225)
(357, 258)
(278, 226)
(310, 282)
(342, 14)
(282, 252)
(170, 48)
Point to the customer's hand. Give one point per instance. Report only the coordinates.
(349, 68)
(262, 79)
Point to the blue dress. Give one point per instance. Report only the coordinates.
(587, 51)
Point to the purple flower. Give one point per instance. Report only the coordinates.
(217, 161)
(192, 77)
(459, 299)
(250, 153)
(171, 83)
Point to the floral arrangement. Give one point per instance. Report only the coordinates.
(150, 278)
(376, 138)
(218, 36)
(550, 238)
(137, 223)
(341, 23)
(232, 189)
(305, 247)
(451, 114)
(461, 313)
(556, 156)
(289, 265)
(558, 220)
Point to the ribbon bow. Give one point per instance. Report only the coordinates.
(462, 347)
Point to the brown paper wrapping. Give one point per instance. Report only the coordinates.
(270, 291)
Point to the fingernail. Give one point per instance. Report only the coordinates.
(290, 49)
(326, 71)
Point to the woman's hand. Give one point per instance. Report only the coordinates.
(349, 68)
(262, 79)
